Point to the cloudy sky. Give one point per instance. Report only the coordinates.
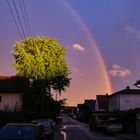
(102, 39)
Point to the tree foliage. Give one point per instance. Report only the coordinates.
(41, 58)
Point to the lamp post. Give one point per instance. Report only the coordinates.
(31, 82)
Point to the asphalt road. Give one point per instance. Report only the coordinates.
(70, 129)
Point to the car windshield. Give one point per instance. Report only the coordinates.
(103, 117)
(114, 121)
(18, 132)
(47, 123)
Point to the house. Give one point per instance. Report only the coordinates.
(124, 100)
(101, 103)
(80, 107)
(69, 110)
(10, 94)
(90, 104)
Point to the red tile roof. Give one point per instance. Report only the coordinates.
(3, 77)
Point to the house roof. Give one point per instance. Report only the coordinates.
(9, 85)
(4, 77)
(89, 101)
(102, 102)
(127, 91)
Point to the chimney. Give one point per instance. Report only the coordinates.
(128, 87)
(107, 94)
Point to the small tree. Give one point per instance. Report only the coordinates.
(41, 59)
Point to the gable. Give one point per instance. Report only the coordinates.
(102, 101)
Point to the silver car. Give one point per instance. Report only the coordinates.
(113, 126)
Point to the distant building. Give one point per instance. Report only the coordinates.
(101, 103)
(10, 94)
(124, 100)
(69, 110)
(80, 107)
(90, 104)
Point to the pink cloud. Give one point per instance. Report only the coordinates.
(77, 71)
(133, 31)
(78, 47)
(119, 71)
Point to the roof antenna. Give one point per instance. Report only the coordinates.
(137, 84)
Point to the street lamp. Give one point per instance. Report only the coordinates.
(31, 82)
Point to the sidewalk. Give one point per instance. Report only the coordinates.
(126, 136)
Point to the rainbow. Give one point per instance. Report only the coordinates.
(93, 42)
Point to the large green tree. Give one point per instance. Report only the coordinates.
(42, 59)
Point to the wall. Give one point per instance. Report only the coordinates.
(129, 101)
(114, 102)
(96, 105)
(10, 101)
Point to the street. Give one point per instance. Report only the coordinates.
(71, 129)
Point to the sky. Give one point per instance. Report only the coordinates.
(102, 39)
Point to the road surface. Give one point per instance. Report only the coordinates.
(71, 129)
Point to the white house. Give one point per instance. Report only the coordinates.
(124, 100)
(10, 94)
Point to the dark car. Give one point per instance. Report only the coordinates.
(113, 126)
(97, 121)
(22, 131)
(48, 125)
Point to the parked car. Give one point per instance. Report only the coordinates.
(48, 125)
(113, 125)
(22, 131)
(98, 120)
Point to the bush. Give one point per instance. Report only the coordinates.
(7, 117)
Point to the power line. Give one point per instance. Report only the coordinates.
(24, 19)
(19, 18)
(27, 17)
(20, 34)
